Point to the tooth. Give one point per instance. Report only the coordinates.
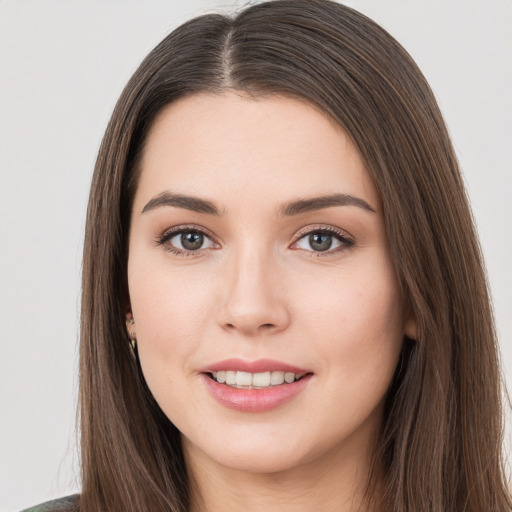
(261, 379)
(289, 377)
(276, 378)
(243, 379)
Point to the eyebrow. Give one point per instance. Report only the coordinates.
(194, 204)
(321, 202)
(301, 206)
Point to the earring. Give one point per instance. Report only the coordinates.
(130, 322)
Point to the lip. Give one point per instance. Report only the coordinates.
(261, 365)
(254, 400)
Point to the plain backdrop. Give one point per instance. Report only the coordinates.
(62, 66)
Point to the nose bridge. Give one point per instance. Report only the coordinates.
(254, 300)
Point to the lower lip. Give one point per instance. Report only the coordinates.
(255, 400)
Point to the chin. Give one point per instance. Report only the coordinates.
(262, 462)
(264, 455)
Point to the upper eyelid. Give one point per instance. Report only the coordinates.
(330, 229)
(176, 230)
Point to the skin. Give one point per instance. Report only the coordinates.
(257, 289)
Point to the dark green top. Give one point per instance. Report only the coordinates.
(67, 503)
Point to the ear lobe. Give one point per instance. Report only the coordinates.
(410, 329)
(130, 323)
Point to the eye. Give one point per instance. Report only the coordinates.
(183, 241)
(190, 241)
(325, 240)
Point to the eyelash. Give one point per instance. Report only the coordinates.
(171, 233)
(345, 240)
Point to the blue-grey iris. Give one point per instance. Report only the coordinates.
(320, 241)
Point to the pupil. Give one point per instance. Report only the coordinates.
(192, 240)
(320, 241)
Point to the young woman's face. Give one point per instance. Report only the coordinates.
(258, 256)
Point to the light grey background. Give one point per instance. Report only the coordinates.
(62, 66)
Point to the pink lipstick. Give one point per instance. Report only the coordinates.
(254, 386)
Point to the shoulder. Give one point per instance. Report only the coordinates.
(68, 503)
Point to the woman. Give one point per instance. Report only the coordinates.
(282, 285)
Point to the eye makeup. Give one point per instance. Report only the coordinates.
(194, 240)
(191, 237)
(321, 239)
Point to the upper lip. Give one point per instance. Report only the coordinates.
(258, 366)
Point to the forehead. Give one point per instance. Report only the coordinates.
(271, 147)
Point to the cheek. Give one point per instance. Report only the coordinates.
(171, 309)
(356, 320)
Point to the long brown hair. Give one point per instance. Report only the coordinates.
(441, 435)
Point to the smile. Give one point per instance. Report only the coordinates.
(261, 380)
(254, 386)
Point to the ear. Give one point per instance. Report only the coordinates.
(130, 324)
(410, 329)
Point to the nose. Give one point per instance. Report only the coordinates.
(253, 301)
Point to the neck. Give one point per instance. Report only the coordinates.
(339, 482)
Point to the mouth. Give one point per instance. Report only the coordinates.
(254, 386)
(261, 380)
